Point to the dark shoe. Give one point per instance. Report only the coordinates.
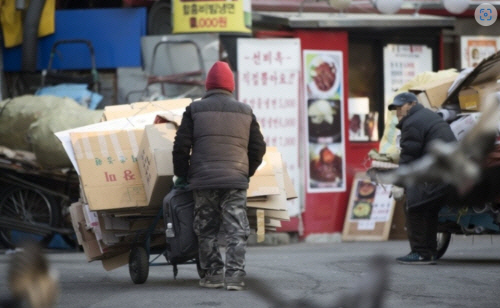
(416, 258)
(212, 281)
(235, 283)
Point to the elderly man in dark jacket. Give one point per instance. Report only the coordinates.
(420, 126)
(218, 147)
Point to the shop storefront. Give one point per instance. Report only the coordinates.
(350, 65)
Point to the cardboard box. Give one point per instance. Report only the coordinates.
(85, 237)
(487, 72)
(130, 123)
(155, 161)
(109, 170)
(470, 98)
(130, 110)
(433, 94)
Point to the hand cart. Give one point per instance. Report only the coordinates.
(142, 249)
(51, 76)
(194, 78)
(34, 202)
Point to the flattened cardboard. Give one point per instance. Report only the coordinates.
(271, 214)
(115, 262)
(434, 93)
(281, 215)
(264, 182)
(261, 226)
(91, 219)
(275, 201)
(85, 237)
(487, 71)
(115, 223)
(155, 161)
(170, 116)
(108, 168)
(269, 222)
(275, 223)
(289, 187)
(76, 214)
(130, 110)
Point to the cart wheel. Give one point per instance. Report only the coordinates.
(201, 272)
(443, 240)
(28, 206)
(138, 264)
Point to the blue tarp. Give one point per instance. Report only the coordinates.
(78, 92)
(114, 33)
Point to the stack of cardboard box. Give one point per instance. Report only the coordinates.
(464, 93)
(125, 169)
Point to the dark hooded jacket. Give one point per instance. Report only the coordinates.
(420, 127)
(218, 144)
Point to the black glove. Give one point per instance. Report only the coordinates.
(181, 183)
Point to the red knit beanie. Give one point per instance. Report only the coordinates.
(220, 76)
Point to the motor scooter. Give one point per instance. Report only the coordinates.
(469, 220)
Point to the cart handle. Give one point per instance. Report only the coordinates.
(72, 41)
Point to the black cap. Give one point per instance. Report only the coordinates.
(403, 98)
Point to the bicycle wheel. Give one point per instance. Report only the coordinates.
(28, 206)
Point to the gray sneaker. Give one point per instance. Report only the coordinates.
(235, 283)
(212, 281)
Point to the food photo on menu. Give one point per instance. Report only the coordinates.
(325, 166)
(363, 127)
(323, 81)
(365, 193)
(324, 123)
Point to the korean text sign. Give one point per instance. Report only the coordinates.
(268, 80)
(195, 16)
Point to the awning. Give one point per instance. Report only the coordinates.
(296, 20)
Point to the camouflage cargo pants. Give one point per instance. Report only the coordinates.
(226, 208)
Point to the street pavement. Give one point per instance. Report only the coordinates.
(293, 275)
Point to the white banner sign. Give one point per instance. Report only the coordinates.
(402, 63)
(268, 80)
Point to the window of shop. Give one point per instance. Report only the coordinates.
(366, 61)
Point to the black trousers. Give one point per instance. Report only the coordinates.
(421, 225)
